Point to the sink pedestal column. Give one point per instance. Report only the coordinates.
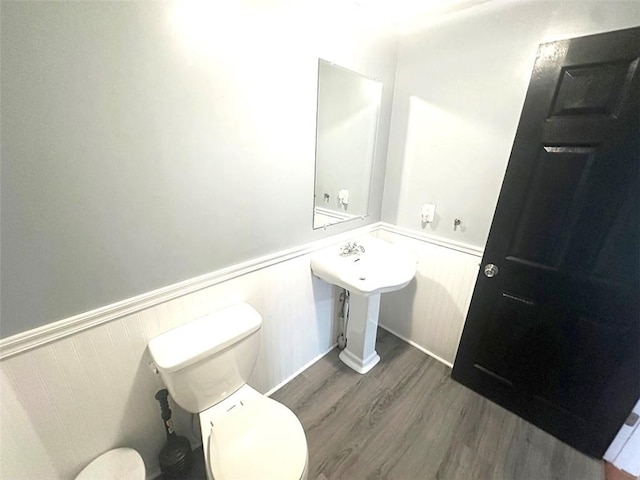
(362, 329)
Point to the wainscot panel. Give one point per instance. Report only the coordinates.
(430, 312)
(69, 400)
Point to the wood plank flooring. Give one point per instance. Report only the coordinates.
(406, 419)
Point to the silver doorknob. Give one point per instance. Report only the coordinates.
(490, 270)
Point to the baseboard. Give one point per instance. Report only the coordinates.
(153, 475)
(414, 344)
(300, 370)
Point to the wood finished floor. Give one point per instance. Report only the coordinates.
(406, 419)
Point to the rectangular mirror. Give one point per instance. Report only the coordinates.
(346, 131)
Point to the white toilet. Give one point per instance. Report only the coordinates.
(205, 364)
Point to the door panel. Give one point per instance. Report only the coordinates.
(593, 89)
(554, 199)
(615, 261)
(555, 336)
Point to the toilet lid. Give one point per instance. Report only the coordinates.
(121, 463)
(261, 439)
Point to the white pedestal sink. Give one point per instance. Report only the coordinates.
(367, 268)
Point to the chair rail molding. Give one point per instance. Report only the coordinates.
(57, 330)
(425, 237)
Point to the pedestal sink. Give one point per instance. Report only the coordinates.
(366, 268)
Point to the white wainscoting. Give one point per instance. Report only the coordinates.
(83, 385)
(66, 402)
(430, 312)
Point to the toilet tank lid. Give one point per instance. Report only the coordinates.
(197, 339)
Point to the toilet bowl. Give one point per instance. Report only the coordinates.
(117, 464)
(205, 364)
(253, 436)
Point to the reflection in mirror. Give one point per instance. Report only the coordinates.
(346, 129)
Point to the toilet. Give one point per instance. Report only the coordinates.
(205, 364)
(117, 464)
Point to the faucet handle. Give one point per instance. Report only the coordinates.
(351, 248)
(357, 248)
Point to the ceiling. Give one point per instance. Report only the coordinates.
(405, 14)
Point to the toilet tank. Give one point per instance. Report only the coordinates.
(205, 360)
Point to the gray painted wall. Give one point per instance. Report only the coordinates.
(146, 143)
(459, 92)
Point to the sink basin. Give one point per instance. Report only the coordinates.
(382, 267)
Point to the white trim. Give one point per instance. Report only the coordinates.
(335, 214)
(414, 344)
(299, 371)
(442, 242)
(45, 334)
(157, 472)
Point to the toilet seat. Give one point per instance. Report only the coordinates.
(258, 439)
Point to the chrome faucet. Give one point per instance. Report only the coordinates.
(351, 248)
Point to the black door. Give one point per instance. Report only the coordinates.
(553, 330)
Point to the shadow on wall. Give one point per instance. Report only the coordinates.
(325, 298)
(436, 167)
(149, 442)
(426, 314)
(66, 403)
(16, 443)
